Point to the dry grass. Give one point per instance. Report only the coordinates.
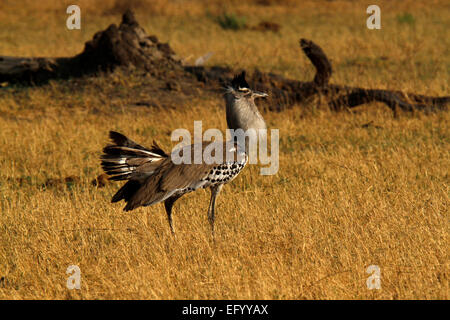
(347, 196)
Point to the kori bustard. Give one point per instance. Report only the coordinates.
(153, 177)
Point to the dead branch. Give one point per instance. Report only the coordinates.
(129, 46)
(286, 92)
(319, 60)
(126, 45)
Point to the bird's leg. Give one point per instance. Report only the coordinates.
(212, 204)
(168, 204)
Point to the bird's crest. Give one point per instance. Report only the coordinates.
(239, 81)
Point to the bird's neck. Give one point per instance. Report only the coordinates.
(243, 114)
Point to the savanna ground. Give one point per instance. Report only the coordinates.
(353, 189)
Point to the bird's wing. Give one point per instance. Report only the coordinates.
(169, 179)
(193, 175)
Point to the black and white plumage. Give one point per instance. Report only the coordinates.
(152, 175)
(125, 159)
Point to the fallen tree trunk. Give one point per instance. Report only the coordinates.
(129, 46)
(126, 45)
(286, 92)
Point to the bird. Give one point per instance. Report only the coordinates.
(153, 177)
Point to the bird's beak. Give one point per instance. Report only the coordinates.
(258, 94)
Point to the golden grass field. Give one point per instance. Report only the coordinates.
(347, 195)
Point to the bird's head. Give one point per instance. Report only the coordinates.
(240, 89)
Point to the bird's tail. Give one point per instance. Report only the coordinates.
(125, 159)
